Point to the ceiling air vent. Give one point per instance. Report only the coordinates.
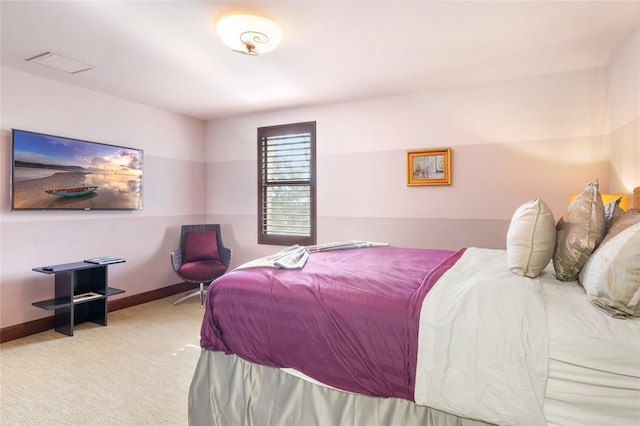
(61, 63)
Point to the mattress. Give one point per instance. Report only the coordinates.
(493, 346)
(594, 360)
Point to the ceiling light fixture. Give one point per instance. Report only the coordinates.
(62, 63)
(249, 34)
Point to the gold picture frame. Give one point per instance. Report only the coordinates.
(429, 167)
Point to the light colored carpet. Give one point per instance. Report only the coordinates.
(135, 371)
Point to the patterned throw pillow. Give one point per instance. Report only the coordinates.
(612, 209)
(622, 222)
(578, 233)
(531, 239)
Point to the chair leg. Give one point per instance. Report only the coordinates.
(203, 291)
(199, 292)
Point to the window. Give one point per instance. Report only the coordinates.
(287, 184)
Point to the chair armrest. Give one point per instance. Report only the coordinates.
(225, 255)
(176, 259)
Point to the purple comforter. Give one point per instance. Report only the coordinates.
(349, 319)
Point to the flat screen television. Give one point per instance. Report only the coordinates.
(58, 173)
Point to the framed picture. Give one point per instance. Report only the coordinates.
(429, 167)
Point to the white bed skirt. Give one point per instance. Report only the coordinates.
(229, 391)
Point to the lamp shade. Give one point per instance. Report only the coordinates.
(606, 198)
(249, 34)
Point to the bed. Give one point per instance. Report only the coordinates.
(405, 336)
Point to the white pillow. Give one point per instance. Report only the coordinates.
(618, 224)
(531, 239)
(611, 276)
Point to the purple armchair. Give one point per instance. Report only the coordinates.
(201, 258)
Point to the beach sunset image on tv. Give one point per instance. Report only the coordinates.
(54, 172)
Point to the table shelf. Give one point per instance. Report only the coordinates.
(52, 304)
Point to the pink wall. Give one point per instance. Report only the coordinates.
(624, 106)
(174, 193)
(511, 141)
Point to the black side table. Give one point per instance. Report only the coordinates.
(81, 293)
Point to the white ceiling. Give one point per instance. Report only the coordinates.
(167, 54)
